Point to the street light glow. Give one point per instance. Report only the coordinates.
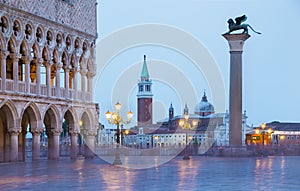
(108, 115)
(118, 106)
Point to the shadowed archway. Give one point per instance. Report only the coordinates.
(30, 128)
(6, 122)
(52, 132)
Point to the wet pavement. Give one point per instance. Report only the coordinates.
(199, 173)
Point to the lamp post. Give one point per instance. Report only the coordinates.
(116, 119)
(184, 124)
(80, 138)
(263, 126)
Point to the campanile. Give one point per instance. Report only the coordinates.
(144, 97)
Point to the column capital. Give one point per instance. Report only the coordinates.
(38, 60)
(91, 74)
(15, 56)
(90, 132)
(14, 131)
(66, 68)
(27, 59)
(56, 132)
(236, 41)
(37, 131)
(57, 66)
(74, 132)
(83, 71)
(75, 69)
(4, 54)
(47, 63)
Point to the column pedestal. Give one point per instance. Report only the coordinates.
(236, 42)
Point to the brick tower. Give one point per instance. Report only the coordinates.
(144, 98)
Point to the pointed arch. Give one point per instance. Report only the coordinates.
(10, 104)
(56, 57)
(24, 48)
(65, 59)
(46, 55)
(86, 119)
(12, 45)
(8, 122)
(54, 113)
(71, 118)
(3, 46)
(32, 105)
(36, 50)
(69, 43)
(30, 123)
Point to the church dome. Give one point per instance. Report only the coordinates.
(204, 107)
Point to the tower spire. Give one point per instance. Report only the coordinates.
(145, 73)
(186, 109)
(204, 98)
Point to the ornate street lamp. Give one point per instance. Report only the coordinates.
(116, 119)
(184, 124)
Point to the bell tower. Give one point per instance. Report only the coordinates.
(144, 98)
(171, 116)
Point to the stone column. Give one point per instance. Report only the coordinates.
(74, 137)
(66, 82)
(15, 59)
(27, 60)
(236, 42)
(3, 56)
(90, 76)
(75, 83)
(75, 71)
(55, 145)
(89, 150)
(36, 145)
(83, 73)
(13, 146)
(48, 76)
(38, 63)
(57, 80)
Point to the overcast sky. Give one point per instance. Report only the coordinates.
(187, 54)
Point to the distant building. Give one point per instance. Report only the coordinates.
(212, 129)
(144, 98)
(275, 133)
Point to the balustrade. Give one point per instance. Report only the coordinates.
(72, 94)
(32, 88)
(21, 87)
(9, 85)
(53, 91)
(43, 90)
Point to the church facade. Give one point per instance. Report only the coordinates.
(47, 56)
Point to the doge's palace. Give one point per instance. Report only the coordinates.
(47, 56)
